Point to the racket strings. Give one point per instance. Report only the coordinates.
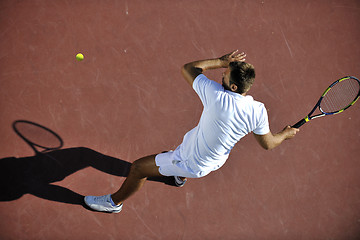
(340, 96)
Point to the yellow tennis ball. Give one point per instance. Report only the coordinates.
(79, 57)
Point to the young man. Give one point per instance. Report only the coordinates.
(228, 115)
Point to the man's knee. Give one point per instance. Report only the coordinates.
(136, 168)
(140, 168)
(144, 167)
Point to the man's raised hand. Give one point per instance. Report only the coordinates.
(234, 56)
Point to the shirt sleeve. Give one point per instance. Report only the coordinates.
(262, 127)
(206, 89)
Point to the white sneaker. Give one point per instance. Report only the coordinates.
(102, 204)
(179, 182)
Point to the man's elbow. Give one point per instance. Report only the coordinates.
(185, 70)
(190, 72)
(267, 141)
(267, 145)
(186, 74)
(188, 69)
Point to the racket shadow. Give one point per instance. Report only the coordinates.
(38, 174)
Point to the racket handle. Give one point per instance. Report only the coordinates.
(299, 123)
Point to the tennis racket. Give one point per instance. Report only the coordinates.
(339, 96)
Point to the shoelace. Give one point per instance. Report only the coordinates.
(100, 198)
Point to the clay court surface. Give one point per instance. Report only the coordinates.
(127, 99)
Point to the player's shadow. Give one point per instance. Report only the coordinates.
(38, 174)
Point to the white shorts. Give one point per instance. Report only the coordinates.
(170, 164)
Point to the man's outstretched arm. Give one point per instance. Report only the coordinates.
(191, 70)
(270, 141)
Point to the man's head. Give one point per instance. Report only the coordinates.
(239, 77)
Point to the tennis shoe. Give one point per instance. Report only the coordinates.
(179, 182)
(102, 204)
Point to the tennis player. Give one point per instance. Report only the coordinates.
(228, 115)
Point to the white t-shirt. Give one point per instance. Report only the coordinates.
(226, 118)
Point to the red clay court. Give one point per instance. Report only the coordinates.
(127, 99)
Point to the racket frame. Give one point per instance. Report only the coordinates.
(318, 104)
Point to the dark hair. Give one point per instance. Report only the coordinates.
(242, 74)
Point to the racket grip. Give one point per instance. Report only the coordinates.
(299, 123)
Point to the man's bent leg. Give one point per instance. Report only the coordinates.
(140, 170)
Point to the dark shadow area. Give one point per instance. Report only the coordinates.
(37, 174)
